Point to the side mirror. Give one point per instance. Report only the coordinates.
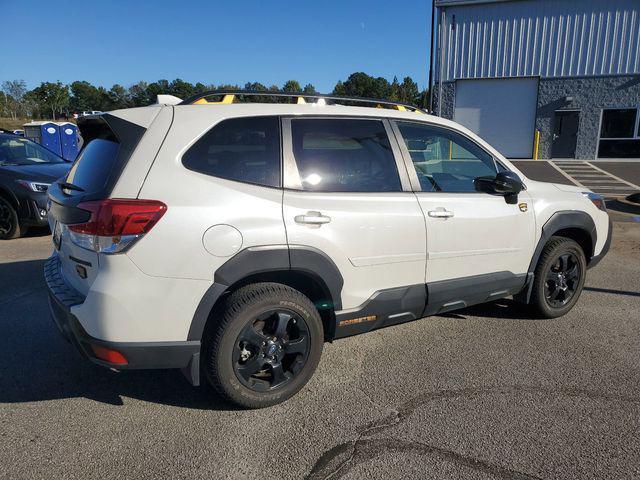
(507, 184)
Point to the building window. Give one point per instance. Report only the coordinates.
(620, 133)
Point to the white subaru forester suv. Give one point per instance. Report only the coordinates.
(231, 240)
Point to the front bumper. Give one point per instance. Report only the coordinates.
(33, 209)
(605, 249)
(139, 355)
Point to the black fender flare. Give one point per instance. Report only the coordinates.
(559, 221)
(265, 259)
(7, 193)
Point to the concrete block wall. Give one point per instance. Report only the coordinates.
(590, 95)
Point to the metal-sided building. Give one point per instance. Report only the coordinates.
(567, 71)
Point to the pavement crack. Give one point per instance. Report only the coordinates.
(340, 459)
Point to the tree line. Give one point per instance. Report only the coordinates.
(55, 99)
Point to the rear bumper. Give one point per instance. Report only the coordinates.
(139, 355)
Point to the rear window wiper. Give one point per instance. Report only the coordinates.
(70, 186)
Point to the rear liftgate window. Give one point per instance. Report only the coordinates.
(108, 144)
(94, 165)
(241, 149)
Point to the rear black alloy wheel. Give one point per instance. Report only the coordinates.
(9, 223)
(271, 350)
(264, 346)
(562, 280)
(559, 278)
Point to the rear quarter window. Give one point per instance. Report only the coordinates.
(240, 149)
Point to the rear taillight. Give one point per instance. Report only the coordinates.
(115, 224)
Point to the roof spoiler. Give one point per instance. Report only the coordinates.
(168, 100)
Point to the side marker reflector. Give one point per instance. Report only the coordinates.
(109, 355)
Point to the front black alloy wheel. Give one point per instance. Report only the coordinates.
(265, 347)
(562, 280)
(9, 223)
(559, 278)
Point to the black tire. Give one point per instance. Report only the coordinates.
(9, 222)
(555, 288)
(250, 337)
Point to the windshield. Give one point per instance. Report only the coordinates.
(16, 150)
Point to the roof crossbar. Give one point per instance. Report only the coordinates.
(229, 96)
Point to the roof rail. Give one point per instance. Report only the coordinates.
(229, 96)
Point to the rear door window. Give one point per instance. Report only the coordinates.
(241, 149)
(344, 155)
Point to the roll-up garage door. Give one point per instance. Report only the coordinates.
(501, 111)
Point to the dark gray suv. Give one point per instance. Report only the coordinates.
(26, 171)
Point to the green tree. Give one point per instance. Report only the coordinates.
(118, 97)
(257, 86)
(52, 97)
(4, 109)
(84, 96)
(309, 89)
(394, 90)
(14, 92)
(291, 86)
(157, 88)
(139, 95)
(409, 92)
(200, 88)
(253, 86)
(423, 101)
(180, 89)
(360, 84)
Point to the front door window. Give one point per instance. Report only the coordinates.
(445, 161)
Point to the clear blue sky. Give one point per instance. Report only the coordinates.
(118, 41)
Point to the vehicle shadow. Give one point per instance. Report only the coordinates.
(502, 309)
(39, 364)
(512, 310)
(37, 232)
(612, 292)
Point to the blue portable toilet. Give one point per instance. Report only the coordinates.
(69, 140)
(46, 134)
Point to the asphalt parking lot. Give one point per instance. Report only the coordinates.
(482, 393)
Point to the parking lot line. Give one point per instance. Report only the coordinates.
(632, 185)
(567, 176)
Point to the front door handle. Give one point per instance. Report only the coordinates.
(440, 213)
(312, 218)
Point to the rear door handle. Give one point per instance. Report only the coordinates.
(312, 218)
(440, 213)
